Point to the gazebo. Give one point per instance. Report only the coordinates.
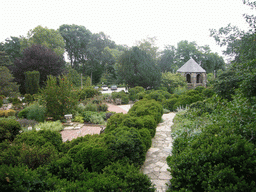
(195, 75)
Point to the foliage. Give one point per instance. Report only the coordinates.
(7, 113)
(25, 123)
(74, 77)
(172, 81)
(12, 48)
(21, 178)
(7, 86)
(60, 98)
(79, 119)
(48, 125)
(87, 92)
(33, 112)
(32, 82)
(126, 143)
(133, 92)
(9, 129)
(49, 38)
(121, 95)
(37, 58)
(137, 68)
(216, 136)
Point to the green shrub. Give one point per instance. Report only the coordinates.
(35, 112)
(146, 138)
(91, 107)
(79, 119)
(114, 122)
(25, 123)
(126, 143)
(103, 107)
(32, 82)
(1, 103)
(9, 112)
(87, 92)
(133, 92)
(52, 126)
(131, 121)
(170, 103)
(66, 168)
(150, 124)
(24, 179)
(131, 177)
(87, 115)
(28, 98)
(121, 95)
(96, 119)
(208, 92)
(9, 129)
(23, 113)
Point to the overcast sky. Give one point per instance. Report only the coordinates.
(127, 21)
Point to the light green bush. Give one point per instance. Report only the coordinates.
(52, 126)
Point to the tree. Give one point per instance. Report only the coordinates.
(4, 59)
(37, 58)
(77, 40)
(148, 45)
(32, 82)
(7, 86)
(137, 68)
(172, 81)
(49, 38)
(167, 59)
(13, 48)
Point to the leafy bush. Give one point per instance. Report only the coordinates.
(169, 104)
(33, 112)
(66, 168)
(7, 113)
(25, 123)
(146, 138)
(59, 96)
(103, 107)
(114, 122)
(52, 126)
(9, 129)
(1, 103)
(149, 123)
(91, 107)
(121, 95)
(24, 179)
(96, 119)
(126, 143)
(133, 92)
(78, 119)
(32, 79)
(87, 92)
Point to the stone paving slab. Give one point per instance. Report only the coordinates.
(155, 165)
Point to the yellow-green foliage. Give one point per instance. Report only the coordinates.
(7, 113)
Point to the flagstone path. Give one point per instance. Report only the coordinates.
(155, 165)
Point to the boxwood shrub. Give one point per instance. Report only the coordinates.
(9, 128)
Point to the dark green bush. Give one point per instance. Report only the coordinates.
(122, 95)
(150, 124)
(133, 92)
(102, 107)
(170, 103)
(9, 128)
(1, 102)
(32, 79)
(147, 107)
(114, 122)
(23, 113)
(126, 142)
(213, 161)
(208, 92)
(36, 112)
(131, 121)
(66, 168)
(146, 138)
(24, 179)
(87, 92)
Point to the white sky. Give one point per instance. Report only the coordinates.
(127, 21)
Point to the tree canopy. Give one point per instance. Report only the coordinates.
(37, 58)
(138, 68)
(49, 38)
(7, 86)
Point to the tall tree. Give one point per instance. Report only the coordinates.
(7, 86)
(13, 48)
(77, 40)
(37, 58)
(167, 59)
(49, 38)
(149, 46)
(137, 68)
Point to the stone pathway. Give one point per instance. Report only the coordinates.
(155, 165)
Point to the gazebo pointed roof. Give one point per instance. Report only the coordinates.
(191, 66)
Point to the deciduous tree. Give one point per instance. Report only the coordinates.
(37, 58)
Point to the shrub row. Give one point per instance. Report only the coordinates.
(220, 156)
